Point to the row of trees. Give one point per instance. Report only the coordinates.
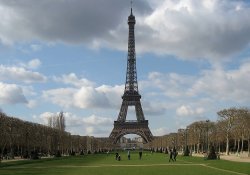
(21, 138)
(231, 132)
(26, 139)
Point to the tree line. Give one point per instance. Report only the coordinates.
(32, 140)
(230, 133)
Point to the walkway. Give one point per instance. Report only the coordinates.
(232, 157)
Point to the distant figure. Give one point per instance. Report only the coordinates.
(140, 154)
(171, 156)
(175, 153)
(128, 155)
(119, 158)
(116, 156)
(218, 156)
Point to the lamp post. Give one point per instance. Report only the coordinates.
(207, 122)
(186, 152)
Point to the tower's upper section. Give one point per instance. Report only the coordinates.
(131, 18)
(131, 86)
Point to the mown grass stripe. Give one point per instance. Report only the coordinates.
(103, 165)
(229, 171)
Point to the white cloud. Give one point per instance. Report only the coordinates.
(61, 96)
(187, 111)
(71, 120)
(230, 85)
(72, 79)
(91, 125)
(97, 132)
(184, 111)
(43, 118)
(11, 94)
(160, 131)
(89, 97)
(113, 93)
(89, 130)
(173, 85)
(20, 74)
(95, 120)
(34, 64)
(83, 94)
(85, 97)
(154, 107)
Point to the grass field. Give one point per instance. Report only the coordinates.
(101, 164)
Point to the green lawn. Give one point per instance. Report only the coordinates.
(100, 164)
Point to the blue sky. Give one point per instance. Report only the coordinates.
(193, 59)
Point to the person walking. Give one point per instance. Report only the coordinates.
(116, 156)
(140, 154)
(128, 155)
(171, 156)
(175, 153)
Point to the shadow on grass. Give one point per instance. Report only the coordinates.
(67, 160)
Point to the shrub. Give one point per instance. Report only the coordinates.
(34, 155)
(186, 151)
(58, 154)
(212, 155)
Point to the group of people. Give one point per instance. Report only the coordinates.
(140, 155)
(117, 156)
(172, 155)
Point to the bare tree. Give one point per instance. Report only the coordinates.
(230, 117)
(219, 134)
(61, 121)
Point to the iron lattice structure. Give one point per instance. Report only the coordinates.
(131, 97)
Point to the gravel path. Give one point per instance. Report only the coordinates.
(231, 157)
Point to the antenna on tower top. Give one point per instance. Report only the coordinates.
(131, 2)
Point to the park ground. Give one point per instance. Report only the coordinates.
(105, 164)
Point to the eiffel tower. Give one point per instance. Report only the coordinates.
(131, 97)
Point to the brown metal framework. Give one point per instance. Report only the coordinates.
(131, 97)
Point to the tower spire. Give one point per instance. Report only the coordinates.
(131, 2)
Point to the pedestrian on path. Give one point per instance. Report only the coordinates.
(140, 154)
(171, 156)
(175, 153)
(128, 155)
(116, 156)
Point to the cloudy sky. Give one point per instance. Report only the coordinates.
(193, 59)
